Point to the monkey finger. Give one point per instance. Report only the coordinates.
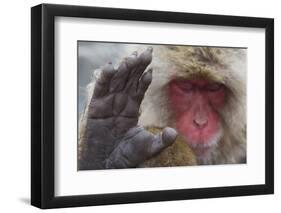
(103, 81)
(132, 60)
(134, 76)
(169, 135)
(163, 140)
(123, 71)
(146, 56)
(128, 62)
(144, 60)
(143, 84)
(139, 145)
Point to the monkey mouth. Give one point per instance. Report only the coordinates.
(202, 151)
(201, 144)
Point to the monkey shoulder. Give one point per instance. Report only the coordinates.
(177, 154)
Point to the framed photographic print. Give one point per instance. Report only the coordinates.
(139, 106)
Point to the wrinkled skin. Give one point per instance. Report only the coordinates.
(113, 139)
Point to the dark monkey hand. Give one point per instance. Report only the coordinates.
(112, 137)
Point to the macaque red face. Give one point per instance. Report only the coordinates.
(196, 104)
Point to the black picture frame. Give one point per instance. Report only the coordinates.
(43, 105)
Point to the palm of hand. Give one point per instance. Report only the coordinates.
(113, 139)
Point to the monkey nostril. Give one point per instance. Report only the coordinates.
(200, 123)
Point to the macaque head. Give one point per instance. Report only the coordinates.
(201, 92)
(196, 104)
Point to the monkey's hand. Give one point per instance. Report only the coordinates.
(112, 137)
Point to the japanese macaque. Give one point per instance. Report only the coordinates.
(168, 106)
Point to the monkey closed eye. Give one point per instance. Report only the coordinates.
(213, 87)
(185, 86)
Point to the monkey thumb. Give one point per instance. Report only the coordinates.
(169, 135)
